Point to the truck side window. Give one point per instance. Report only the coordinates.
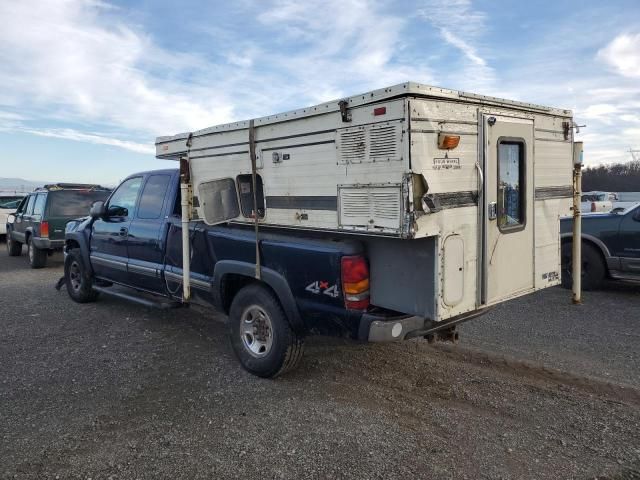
(511, 185)
(123, 200)
(152, 199)
(245, 190)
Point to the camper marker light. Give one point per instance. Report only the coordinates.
(379, 111)
(448, 142)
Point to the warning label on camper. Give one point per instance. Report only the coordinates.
(446, 164)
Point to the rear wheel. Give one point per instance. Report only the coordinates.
(37, 257)
(261, 336)
(79, 283)
(14, 249)
(593, 267)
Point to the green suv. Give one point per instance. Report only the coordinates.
(41, 218)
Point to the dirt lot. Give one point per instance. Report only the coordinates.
(536, 389)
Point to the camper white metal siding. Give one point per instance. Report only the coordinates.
(354, 172)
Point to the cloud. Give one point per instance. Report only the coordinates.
(70, 134)
(462, 27)
(77, 61)
(623, 54)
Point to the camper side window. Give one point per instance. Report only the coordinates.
(245, 189)
(219, 200)
(511, 185)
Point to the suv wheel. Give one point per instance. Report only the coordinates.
(14, 249)
(261, 336)
(37, 257)
(79, 283)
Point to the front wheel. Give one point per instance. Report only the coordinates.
(593, 267)
(79, 283)
(14, 249)
(261, 336)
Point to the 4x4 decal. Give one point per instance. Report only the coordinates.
(320, 286)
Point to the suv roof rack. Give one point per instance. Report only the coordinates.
(73, 186)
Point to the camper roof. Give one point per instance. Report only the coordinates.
(401, 90)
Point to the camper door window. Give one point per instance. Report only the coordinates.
(511, 185)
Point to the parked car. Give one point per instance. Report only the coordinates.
(8, 205)
(610, 247)
(597, 201)
(40, 218)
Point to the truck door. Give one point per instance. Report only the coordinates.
(109, 234)
(146, 235)
(508, 207)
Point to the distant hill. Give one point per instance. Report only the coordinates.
(19, 185)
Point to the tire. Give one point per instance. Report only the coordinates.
(79, 283)
(37, 257)
(14, 248)
(255, 312)
(593, 267)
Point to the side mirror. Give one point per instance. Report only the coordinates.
(11, 218)
(97, 210)
(117, 211)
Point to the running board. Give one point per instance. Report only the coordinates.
(162, 305)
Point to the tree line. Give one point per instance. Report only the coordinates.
(616, 177)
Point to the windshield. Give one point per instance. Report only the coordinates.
(74, 203)
(10, 201)
(10, 205)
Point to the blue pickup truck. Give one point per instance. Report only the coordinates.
(610, 247)
(308, 285)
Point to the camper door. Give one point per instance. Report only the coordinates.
(508, 246)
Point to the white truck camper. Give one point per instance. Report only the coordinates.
(456, 196)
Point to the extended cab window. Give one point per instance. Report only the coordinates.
(245, 189)
(511, 185)
(152, 199)
(123, 201)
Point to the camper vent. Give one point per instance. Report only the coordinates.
(370, 207)
(370, 143)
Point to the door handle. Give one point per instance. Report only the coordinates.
(493, 210)
(124, 231)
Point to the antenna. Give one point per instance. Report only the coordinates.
(635, 154)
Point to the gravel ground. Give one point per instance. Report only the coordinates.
(536, 389)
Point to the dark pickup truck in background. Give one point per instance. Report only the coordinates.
(610, 247)
(308, 284)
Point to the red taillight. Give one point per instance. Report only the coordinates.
(593, 206)
(355, 282)
(44, 229)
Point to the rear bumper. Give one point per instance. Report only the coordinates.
(47, 243)
(379, 328)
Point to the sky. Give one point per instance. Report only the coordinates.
(87, 85)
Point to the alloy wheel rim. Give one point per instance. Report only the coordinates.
(74, 276)
(256, 331)
(31, 253)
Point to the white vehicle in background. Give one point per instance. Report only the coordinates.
(598, 201)
(8, 205)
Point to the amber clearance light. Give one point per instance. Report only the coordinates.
(448, 142)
